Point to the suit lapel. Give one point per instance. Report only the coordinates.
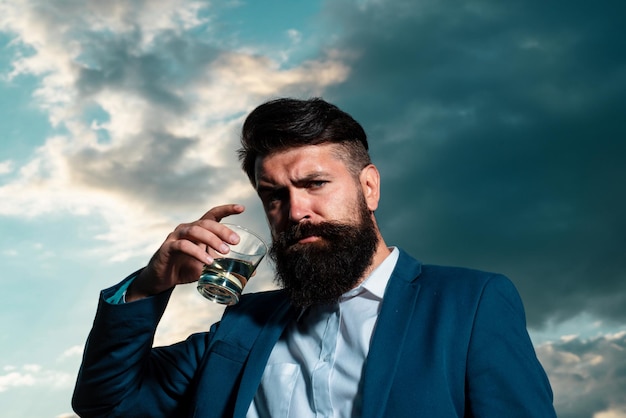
(390, 332)
(257, 359)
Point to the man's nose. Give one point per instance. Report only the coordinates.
(299, 206)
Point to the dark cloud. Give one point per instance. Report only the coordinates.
(153, 168)
(157, 73)
(497, 128)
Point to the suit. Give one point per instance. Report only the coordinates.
(449, 342)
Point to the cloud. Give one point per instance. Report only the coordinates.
(496, 131)
(6, 167)
(30, 375)
(146, 102)
(197, 313)
(610, 414)
(587, 375)
(72, 352)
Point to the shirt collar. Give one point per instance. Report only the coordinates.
(376, 282)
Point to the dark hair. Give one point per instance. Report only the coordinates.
(287, 123)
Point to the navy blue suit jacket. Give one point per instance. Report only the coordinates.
(449, 342)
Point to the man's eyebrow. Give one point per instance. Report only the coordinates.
(265, 186)
(312, 176)
(268, 185)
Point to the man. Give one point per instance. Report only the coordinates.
(359, 329)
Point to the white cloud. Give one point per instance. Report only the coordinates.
(188, 312)
(30, 375)
(72, 352)
(294, 35)
(6, 167)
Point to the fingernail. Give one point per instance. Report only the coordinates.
(223, 248)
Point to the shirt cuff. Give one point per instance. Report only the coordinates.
(119, 296)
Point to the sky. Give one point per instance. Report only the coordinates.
(497, 127)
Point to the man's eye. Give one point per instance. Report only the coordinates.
(317, 184)
(272, 197)
(275, 196)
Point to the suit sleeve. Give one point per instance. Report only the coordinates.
(504, 376)
(122, 375)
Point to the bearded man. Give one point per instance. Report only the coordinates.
(358, 328)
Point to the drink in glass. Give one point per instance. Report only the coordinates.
(223, 280)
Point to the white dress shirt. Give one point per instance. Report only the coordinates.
(315, 368)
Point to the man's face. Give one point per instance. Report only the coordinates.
(307, 184)
(324, 235)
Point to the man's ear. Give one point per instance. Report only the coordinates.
(370, 184)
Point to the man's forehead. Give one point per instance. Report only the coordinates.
(303, 160)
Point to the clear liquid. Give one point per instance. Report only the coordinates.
(223, 280)
(230, 269)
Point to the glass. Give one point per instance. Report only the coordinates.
(223, 280)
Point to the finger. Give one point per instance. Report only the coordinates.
(203, 238)
(219, 212)
(193, 250)
(206, 232)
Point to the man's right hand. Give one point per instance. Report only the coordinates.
(181, 257)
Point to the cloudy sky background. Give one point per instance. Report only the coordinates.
(497, 126)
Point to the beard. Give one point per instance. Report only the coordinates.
(320, 272)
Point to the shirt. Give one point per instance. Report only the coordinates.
(315, 368)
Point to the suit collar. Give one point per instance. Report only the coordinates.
(259, 354)
(390, 332)
(407, 268)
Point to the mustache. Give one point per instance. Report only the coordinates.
(326, 230)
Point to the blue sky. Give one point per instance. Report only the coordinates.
(497, 129)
